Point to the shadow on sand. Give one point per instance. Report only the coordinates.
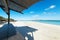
(8, 31)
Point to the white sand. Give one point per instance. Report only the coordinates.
(44, 32)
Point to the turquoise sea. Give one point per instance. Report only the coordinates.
(55, 22)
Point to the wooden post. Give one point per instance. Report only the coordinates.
(8, 17)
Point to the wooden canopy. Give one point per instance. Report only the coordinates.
(16, 5)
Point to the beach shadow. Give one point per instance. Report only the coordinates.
(25, 30)
(8, 31)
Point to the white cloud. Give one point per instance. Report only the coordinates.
(49, 13)
(31, 11)
(51, 7)
(36, 17)
(32, 17)
(44, 12)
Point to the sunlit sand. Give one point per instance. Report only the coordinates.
(44, 31)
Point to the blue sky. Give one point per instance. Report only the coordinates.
(43, 10)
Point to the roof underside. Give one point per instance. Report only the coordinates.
(16, 5)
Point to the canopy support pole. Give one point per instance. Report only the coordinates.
(8, 17)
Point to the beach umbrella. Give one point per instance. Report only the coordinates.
(16, 5)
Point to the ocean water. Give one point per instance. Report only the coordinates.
(54, 22)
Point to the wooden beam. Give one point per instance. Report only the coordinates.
(19, 4)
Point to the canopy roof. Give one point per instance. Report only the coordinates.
(16, 5)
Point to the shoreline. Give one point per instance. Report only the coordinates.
(44, 31)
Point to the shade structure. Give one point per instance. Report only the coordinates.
(16, 5)
(4, 5)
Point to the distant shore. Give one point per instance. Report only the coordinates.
(44, 32)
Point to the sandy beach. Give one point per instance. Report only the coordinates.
(44, 31)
